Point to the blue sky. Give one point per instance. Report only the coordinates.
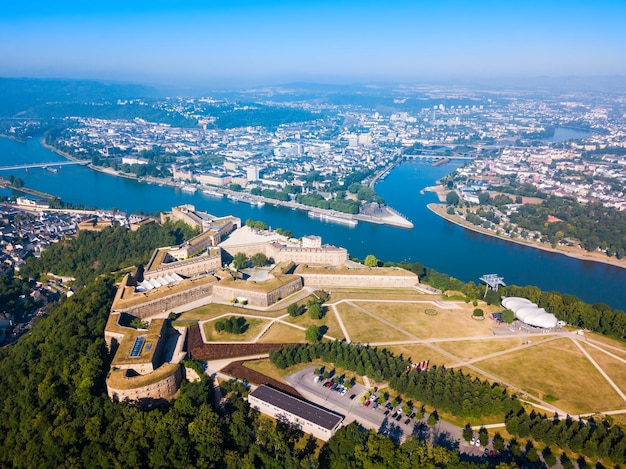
(254, 42)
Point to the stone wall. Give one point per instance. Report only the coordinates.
(164, 303)
(222, 293)
(325, 255)
(187, 268)
(164, 388)
(360, 281)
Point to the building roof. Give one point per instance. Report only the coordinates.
(297, 407)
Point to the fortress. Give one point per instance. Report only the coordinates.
(147, 351)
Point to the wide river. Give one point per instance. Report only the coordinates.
(434, 242)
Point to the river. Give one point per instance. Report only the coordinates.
(434, 242)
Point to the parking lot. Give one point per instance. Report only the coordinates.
(376, 417)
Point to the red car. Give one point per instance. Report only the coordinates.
(367, 403)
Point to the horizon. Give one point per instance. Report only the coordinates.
(223, 44)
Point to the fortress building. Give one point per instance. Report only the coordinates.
(145, 362)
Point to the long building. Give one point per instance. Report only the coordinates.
(312, 419)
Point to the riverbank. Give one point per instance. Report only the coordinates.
(390, 217)
(570, 251)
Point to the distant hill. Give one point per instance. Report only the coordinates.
(56, 99)
(28, 96)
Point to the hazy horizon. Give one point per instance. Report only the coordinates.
(246, 43)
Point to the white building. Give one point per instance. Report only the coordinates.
(309, 418)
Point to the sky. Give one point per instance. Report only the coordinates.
(266, 42)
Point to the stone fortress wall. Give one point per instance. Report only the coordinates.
(132, 388)
(203, 264)
(225, 293)
(357, 281)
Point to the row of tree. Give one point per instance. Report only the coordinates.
(593, 439)
(338, 204)
(231, 324)
(448, 390)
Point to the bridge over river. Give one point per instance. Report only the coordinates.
(44, 165)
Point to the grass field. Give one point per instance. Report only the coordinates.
(365, 329)
(447, 323)
(266, 367)
(470, 349)
(612, 367)
(559, 372)
(419, 352)
(279, 333)
(554, 370)
(329, 320)
(254, 328)
(364, 294)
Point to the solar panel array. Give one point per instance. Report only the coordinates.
(137, 346)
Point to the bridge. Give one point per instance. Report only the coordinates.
(44, 165)
(438, 156)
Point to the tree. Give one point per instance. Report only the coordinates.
(483, 198)
(315, 310)
(483, 436)
(312, 333)
(498, 442)
(492, 297)
(433, 418)
(468, 433)
(508, 316)
(294, 309)
(240, 261)
(479, 313)
(371, 261)
(452, 198)
(259, 259)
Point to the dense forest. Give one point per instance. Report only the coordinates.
(449, 390)
(14, 296)
(93, 253)
(259, 116)
(593, 224)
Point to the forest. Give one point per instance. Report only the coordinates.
(94, 253)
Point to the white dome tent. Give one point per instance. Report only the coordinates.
(529, 313)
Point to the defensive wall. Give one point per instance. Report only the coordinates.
(323, 255)
(161, 384)
(199, 265)
(156, 301)
(261, 294)
(342, 277)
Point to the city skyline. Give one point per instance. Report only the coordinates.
(251, 43)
